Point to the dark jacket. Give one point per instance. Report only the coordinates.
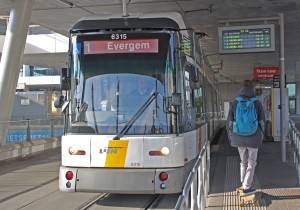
(255, 140)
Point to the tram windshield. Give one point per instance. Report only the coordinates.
(122, 81)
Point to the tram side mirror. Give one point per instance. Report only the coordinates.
(65, 83)
(176, 99)
(58, 101)
(84, 106)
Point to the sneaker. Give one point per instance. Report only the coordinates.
(239, 190)
(249, 191)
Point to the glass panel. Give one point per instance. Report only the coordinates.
(188, 98)
(291, 90)
(198, 104)
(121, 83)
(292, 106)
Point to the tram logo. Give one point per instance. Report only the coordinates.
(110, 150)
(115, 153)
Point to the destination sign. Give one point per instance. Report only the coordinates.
(121, 46)
(240, 39)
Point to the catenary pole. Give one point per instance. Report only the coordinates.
(282, 90)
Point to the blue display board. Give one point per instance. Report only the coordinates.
(14, 136)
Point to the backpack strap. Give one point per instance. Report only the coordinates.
(255, 99)
(239, 98)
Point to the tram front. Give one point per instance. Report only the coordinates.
(123, 114)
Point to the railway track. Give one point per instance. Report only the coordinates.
(117, 201)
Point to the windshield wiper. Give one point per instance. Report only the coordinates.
(136, 116)
(93, 109)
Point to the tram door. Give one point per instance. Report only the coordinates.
(264, 95)
(276, 113)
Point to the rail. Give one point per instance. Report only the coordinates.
(294, 136)
(196, 189)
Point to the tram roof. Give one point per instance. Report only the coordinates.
(166, 20)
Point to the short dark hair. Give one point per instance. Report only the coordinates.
(248, 83)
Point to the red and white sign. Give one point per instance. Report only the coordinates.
(265, 73)
(121, 46)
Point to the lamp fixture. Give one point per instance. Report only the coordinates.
(198, 10)
(201, 34)
(70, 4)
(221, 64)
(216, 70)
(212, 54)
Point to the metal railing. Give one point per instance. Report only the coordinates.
(196, 189)
(294, 136)
(28, 130)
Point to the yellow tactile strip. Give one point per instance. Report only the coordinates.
(232, 181)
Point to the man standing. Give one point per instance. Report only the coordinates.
(247, 144)
(142, 89)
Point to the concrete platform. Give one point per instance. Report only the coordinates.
(277, 182)
(24, 148)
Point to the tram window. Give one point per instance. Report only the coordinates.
(189, 101)
(187, 88)
(291, 89)
(292, 106)
(198, 103)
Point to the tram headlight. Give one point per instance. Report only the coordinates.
(164, 151)
(163, 186)
(68, 184)
(74, 151)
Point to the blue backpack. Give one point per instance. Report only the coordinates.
(245, 123)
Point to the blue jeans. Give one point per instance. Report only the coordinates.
(248, 158)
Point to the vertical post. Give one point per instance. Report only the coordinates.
(282, 90)
(297, 151)
(13, 47)
(293, 143)
(2, 126)
(124, 9)
(52, 127)
(28, 133)
(207, 168)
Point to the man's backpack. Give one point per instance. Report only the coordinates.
(245, 119)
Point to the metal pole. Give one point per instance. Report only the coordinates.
(28, 135)
(249, 20)
(52, 128)
(124, 9)
(282, 90)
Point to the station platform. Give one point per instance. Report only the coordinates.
(276, 181)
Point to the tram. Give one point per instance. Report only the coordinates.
(135, 95)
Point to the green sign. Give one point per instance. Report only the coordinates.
(186, 45)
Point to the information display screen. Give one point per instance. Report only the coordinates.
(121, 46)
(243, 39)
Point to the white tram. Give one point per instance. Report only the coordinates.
(134, 88)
